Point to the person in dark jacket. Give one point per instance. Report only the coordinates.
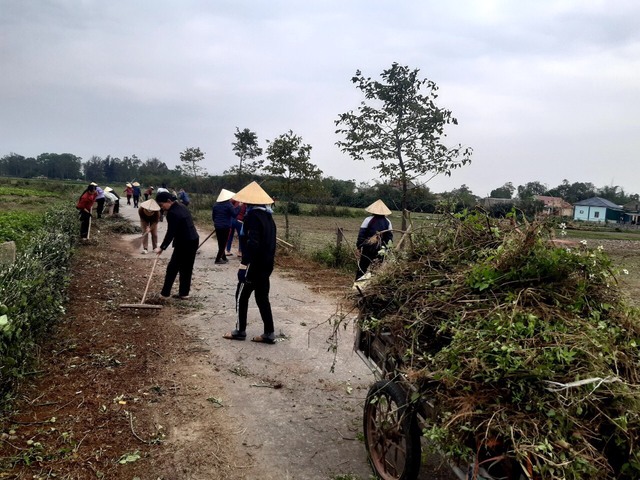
(183, 234)
(258, 239)
(375, 233)
(222, 214)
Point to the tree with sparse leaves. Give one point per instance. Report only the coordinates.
(289, 159)
(191, 157)
(247, 150)
(401, 128)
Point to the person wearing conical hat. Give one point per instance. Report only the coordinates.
(222, 214)
(111, 200)
(149, 213)
(375, 233)
(258, 242)
(136, 194)
(128, 191)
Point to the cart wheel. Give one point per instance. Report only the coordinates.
(391, 433)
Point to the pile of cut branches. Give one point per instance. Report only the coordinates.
(527, 348)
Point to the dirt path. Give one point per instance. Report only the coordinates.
(291, 418)
(158, 394)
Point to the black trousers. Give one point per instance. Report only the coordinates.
(222, 235)
(136, 199)
(181, 263)
(85, 222)
(367, 256)
(243, 293)
(100, 207)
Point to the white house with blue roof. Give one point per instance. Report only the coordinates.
(597, 209)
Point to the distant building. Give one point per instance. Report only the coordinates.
(555, 206)
(632, 212)
(598, 209)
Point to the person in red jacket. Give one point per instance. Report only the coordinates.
(84, 205)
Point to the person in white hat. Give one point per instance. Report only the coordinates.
(149, 213)
(375, 233)
(258, 240)
(112, 201)
(222, 214)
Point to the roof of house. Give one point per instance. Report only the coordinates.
(555, 202)
(633, 206)
(598, 202)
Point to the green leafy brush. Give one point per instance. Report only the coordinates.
(526, 347)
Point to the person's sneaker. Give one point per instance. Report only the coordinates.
(144, 251)
(229, 254)
(220, 262)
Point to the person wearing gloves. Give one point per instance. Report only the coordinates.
(184, 236)
(222, 214)
(258, 240)
(375, 233)
(149, 213)
(84, 206)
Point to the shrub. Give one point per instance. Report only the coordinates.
(294, 208)
(331, 211)
(335, 257)
(33, 293)
(526, 349)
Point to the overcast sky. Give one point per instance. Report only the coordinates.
(543, 90)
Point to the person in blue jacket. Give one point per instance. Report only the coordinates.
(136, 194)
(222, 214)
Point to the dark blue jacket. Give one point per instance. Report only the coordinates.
(223, 213)
(258, 243)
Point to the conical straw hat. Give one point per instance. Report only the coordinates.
(225, 195)
(378, 208)
(254, 195)
(136, 184)
(150, 205)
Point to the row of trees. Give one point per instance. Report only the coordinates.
(398, 126)
(570, 192)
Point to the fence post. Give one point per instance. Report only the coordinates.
(339, 237)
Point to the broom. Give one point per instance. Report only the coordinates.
(144, 296)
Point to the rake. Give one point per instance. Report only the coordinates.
(144, 295)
